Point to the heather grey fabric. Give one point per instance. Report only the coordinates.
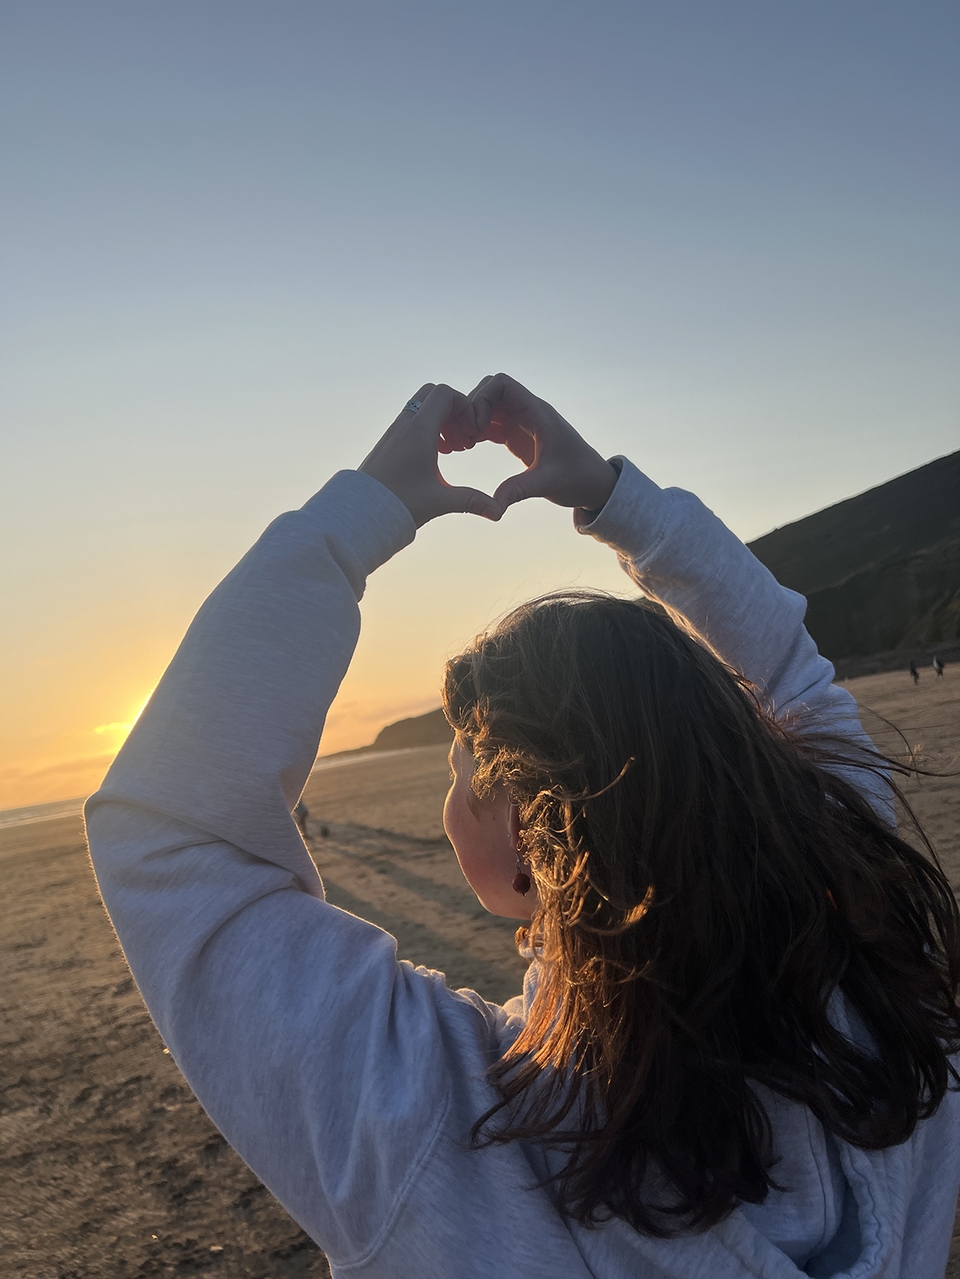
(348, 1080)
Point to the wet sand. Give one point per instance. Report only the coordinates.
(108, 1165)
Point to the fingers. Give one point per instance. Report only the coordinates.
(436, 406)
(437, 403)
(498, 410)
(407, 414)
(445, 421)
(444, 415)
(484, 399)
(483, 382)
(518, 488)
(470, 502)
(440, 410)
(459, 432)
(438, 413)
(465, 419)
(496, 395)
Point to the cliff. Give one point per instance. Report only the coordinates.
(881, 571)
(420, 730)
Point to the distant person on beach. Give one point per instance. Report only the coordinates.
(734, 1054)
(938, 667)
(914, 673)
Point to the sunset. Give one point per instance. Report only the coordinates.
(233, 251)
(678, 285)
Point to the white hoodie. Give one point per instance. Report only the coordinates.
(348, 1080)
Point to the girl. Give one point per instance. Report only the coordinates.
(731, 1057)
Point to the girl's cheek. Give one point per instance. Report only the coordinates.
(446, 815)
(453, 815)
(459, 823)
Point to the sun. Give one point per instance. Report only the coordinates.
(117, 730)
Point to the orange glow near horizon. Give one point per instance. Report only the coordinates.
(39, 781)
(84, 670)
(65, 770)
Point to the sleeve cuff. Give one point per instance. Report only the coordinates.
(366, 515)
(635, 517)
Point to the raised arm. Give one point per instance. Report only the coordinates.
(681, 555)
(318, 1056)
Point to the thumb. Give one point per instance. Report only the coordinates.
(518, 488)
(471, 502)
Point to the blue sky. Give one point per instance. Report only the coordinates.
(721, 237)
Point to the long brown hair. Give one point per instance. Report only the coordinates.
(708, 881)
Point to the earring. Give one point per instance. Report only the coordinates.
(521, 880)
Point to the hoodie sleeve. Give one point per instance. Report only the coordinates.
(681, 555)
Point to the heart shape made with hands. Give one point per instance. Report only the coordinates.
(559, 465)
(485, 462)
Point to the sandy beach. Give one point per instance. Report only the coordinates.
(109, 1166)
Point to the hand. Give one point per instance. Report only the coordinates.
(405, 459)
(561, 465)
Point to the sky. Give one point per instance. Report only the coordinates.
(236, 237)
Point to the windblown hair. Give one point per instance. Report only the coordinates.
(709, 883)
